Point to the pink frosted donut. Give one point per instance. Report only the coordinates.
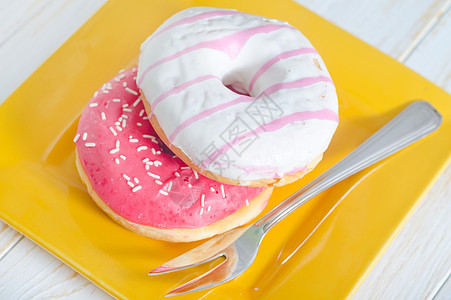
(242, 99)
(141, 184)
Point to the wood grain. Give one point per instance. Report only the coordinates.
(8, 238)
(389, 25)
(432, 58)
(31, 30)
(30, 272)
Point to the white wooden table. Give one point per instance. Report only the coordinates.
(417, 265)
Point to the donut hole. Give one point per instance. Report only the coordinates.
(235, 85)
(237, 90)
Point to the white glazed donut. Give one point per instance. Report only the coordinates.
(243, 99)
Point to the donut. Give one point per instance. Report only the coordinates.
(240, 98)
(141, 184)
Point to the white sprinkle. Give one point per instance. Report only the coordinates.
(158, 182)
(125, 176)
(96, 93)
(157, 163)
(139, 124)
(133, 141)
(106, 91)
(145, 159)
(124, 116)
(209, 208)
(117, 79)
(184, 168)
(118, 143)
(146, 118)
(202, 200)
(141, 148)
(124, 83)
(163, 192)
(113, 131)
(212, 189)
(117, 123)
(124, 123)
(136, 180)
(119, 128)
(153, 175)
(247, 203)
(93, 105)
(153, 151)
(147, 167)
(131, 91)
(169, 186)
(112, 151)
(120, 76)
(189, 185)
(141, 113)
(125, 105)
(136, 188)
(158, 152)
(177, 174)
(123, 157)
(201, 211)
(90, 144)
(102, 114)
(130, 183)
(117, 160)
(136, 102)
(222, 191)
(147, 136)
(77, 136)
(195, 175)
(127, 109)
(116, 100)
(85, 135)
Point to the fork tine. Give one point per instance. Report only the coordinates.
(216, 276)
(205, 252)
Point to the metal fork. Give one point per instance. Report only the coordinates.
(239, 246)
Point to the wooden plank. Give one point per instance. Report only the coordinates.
(8, 238)
(445, 290)
(31, 272)
(388, 25)
(31, 30)
(432, 58)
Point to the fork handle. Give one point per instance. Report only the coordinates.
(415, 122)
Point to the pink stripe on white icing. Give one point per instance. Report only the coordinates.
(272, 89)
(324, 114)
(277, 58)
(230, 44)
(303, 82)
(206, 113)
(180, 88)
(189, 20)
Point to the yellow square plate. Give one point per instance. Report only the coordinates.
(331, 242)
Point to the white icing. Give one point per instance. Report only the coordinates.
(271, 154)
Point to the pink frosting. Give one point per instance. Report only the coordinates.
(136, 175)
